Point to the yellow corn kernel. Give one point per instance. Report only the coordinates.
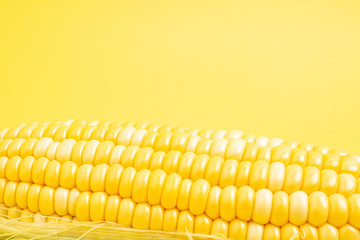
(97, 206)
(116, 154)
(185, 164)
(142, 158)
(276, 176)
(243, 173)
(250, 152)
(213, 203)
(112, 180)
(171, 162)
(331, 161)
(299, 156)
(156, 217)
(61, 198)
(354, 209)
(10, 194)
(128, 156)
(22, 194)
(298, 208)
(311, 179)
(82, 206)
(141, 217)
(347, 184)
(237, 229)
(228, 173)
(198, 196)
(149, 139)
(280, 209)
(88, 130)
(293, 178)
(4, 145)
(33, 197)
(184, 194)
(52, 174)
(264, 153)
(64, 150)
(202, 224)
(99, 133)
(170, 191)
(220, 228)
(14, 147)
(315, 159)
(68, 174)
(213, 170)
(77, 152)
(255, 231)
(39, 169)
(350, 165)
(179, 141)
(126, 182)
(328, 231)
(262, 206)
(97, 178)
(73, 196)
(262, 141)
(235, 149)
(3, 162)
(162, 142)
(349, 232)
(170, 219)
(218, 148)
(272, 232)
(156, 185)
(318, 208)
(328, 181)
(111, 208)
(89, 151)
(199, 167)
(245, 198)
(83, 177)
(138, 137)
(103, 152)
(46, 201)
(228, 203)
(289, 231)
(51, 151)
(27, 148)
(185, 222)
(139, 190)
(259, 175)
(281, 153)
(204, 146)
(12, 169)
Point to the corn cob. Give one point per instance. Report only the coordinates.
(148, 176)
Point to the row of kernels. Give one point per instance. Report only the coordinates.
(25, 215)
(199, 197)
(131, 184)
(37, 198)
(40, 171)
(82, 130)
(334, 161)
(216, 171)
(100, 207)
(96, 152)
(62, 151)
(87, 130)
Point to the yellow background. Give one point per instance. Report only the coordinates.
(278, 68)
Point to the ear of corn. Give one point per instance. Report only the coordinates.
(173, 179)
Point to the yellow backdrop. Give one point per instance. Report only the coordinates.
(278, 68)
